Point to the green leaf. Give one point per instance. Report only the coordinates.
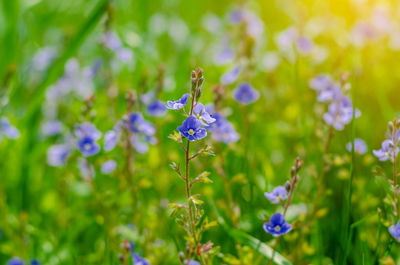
(250, 241)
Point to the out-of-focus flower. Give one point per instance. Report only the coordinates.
(211, 23)
(57, 155)
(87, 136)
(15, 261)
(388, 151)
(340, 113)
(202, 115)
(178, 104)
(270, 61)
(222, 130)
(277, 195)
(277, 225)
(50, 128)
(224, 55)
(156, 108)
(191, 128)
(137, 260)
(230, 76)
(108, 166)
(35, 262)
(394, 230)
(360, 147)
(141, 142)
(7, 129)
(304, 45)
(111, 139)
(43, 58)
(138, 124)
(245, 94)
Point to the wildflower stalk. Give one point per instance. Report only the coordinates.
(293, 181)
(395, 192)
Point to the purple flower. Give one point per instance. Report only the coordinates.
(360, 147)
(15, 261)
(388, 151)
(202, 115)
(88, 146)
(51, 128)
(191, 262)
(225, 56)
(111, 41)
(87, 130)
(245, 93)
(111, 138)
(57, 155)
(327, 89)
(394, 230)
(236, 16)
(277, 225)
(230, 76)
(108, 166)
(137, 260)
(7, 129)
(191, 128)
(156, 108)
(222, 130)
(178, 104)
(277, 195)
(340, 113)
(138, 124)
(304, 45)
(141, 142)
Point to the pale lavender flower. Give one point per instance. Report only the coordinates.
(394, 230)
(202, 115)
(108, 167)
(51, 128)
(388, 151)
(178, 104)
(360, 147)
(277, 195)
(230, 76)
(57, 155)
(7, 129)
(111, 139)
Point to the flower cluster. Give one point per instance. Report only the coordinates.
(340, 110)
(18, 261)
(277, 224)
(360, 147)
(390, 146)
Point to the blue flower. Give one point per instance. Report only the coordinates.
(7, 129)
(178, 104)
(57, 155)
(394, 230)
(108, 166)
(137, 260)
(138, 124)
(230, 76)
(327, 89)
(277, 195)
(191, 262)
(88, 146)
(202, 115)
(156, 108)
(15, 261)
(245, 93)
(360, 147)
(388, 151)
(191, 128)
(277, 225)
(35, 262)
(304, 45)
